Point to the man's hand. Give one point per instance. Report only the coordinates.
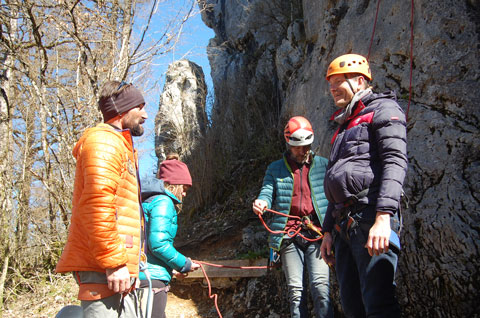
(118, 279)
(379, 235)
(326, 249)
(259, 206)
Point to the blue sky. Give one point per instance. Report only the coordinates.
(192, 46)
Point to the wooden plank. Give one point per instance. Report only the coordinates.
(217, 272)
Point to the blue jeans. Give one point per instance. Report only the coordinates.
(367, 283)
(296, 260)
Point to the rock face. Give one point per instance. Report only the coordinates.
(181, 120)
(268, 62)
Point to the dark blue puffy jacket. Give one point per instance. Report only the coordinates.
(369, 151)
(277, 190)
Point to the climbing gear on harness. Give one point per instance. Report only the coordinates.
(349, 63)
(308, 224)
(298, 132)
(344, 224)
(344, 220)
(274, 258)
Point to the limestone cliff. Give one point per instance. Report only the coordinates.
(181, 120)
(268, 62)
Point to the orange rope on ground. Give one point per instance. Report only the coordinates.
(210, 295)
(215, 296)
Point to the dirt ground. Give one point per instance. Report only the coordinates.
(181, 308)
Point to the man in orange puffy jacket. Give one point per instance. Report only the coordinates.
(104, 243)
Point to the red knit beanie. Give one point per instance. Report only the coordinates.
(174, 172)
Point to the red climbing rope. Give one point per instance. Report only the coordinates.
(210, 295)
(215, 296)
(411, 50)
(305, 223)
(411, 61)
(373, 31)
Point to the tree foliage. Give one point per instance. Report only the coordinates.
(55, 55)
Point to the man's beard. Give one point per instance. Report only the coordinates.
(301, 160)
(136, 130)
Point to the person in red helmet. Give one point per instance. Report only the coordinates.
(363, 184)
(294, 185)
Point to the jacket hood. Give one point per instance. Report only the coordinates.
(151, 187)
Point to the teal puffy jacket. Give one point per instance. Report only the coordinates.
(277, 190)
(161, 227)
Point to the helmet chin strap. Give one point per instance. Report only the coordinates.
(349, 84)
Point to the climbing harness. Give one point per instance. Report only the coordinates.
(346, 218)
(345, 211)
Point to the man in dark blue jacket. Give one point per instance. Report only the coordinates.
(293, 185)
(363, 184)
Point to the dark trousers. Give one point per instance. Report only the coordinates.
(367, 286)
(159, 297)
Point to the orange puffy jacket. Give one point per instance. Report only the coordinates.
(105, 228)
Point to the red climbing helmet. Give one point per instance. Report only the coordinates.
(349, 63)
(298, 132)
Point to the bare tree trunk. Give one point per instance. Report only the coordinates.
(6, 206)
(51, 68)
(3, 278)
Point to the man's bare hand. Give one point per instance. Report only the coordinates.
(326, 249)
(118, 279)
(259, 206)
(379, 235)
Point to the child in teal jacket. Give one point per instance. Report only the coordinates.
(161, 202)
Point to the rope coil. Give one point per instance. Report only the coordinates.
(294, 232)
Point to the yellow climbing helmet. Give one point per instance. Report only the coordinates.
(349, 63)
